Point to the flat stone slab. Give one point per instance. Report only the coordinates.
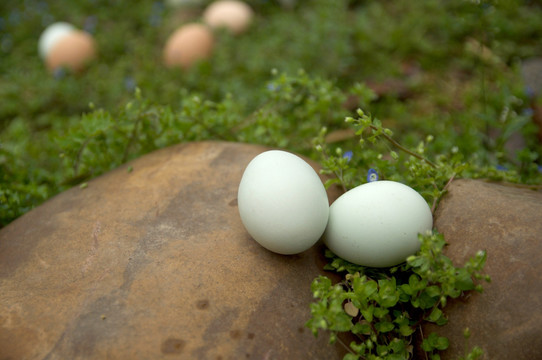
(506, 319)
(155, 264)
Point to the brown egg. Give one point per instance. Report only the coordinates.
(233, 15)
(73, 51)
(188, 44)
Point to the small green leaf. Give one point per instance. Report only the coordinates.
(380, 312)
(406, 330)
(432, 291)
(463, 280)
(382, 350)
(407, 289)
(362, 327)
(442, 343)
(437, 316)
(367, 313)
(384, 326)
(433, 341)
(350, 356)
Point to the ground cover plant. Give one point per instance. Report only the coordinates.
(423, 92)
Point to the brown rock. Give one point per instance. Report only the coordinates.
(506, 319)
(154, 263)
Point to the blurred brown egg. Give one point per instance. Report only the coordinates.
(233, 15)
(188, 44)
(73, 51)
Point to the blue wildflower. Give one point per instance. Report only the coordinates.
(372, 175)
(156, 13)
(529, 91)
(15, 17)
(348, 155)
(90, 24)
(59, 73)
(130, 83)
(272, 87)
(527, 112)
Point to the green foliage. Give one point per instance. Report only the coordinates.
(467, 104)
(101, 140)
(378, 149)
(385, 308)
(443, 77)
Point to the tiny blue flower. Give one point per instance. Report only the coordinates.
(529, 92)
(90, 24)
(155, 19)
(348, 155)
(272, 87)
(501, 168)
(156, 14)
(540, 169)
(59, 73)
(129, 83)
(15, 17)
(527, 112)
(372, 175)
(42, 6)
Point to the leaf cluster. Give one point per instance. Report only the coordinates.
(469, 92)
(377, 149)
(101, 140)
(385, 309)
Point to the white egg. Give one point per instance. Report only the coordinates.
(50, 36)
(282, 202)
(377, 224)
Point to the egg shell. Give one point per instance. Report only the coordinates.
(188, 44)
(51, 35)
(233, 15)
(377, 224)
(73, 51)
(282, 202)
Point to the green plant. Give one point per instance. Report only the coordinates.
(451, 98)
(100, 140)
(385, 308)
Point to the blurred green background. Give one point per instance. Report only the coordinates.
(451, 69)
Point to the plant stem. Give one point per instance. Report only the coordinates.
(80, 154)
(410, 152)
(345, 346)
(436, 200)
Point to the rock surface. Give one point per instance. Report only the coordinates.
(506, 319)
(155, 264)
